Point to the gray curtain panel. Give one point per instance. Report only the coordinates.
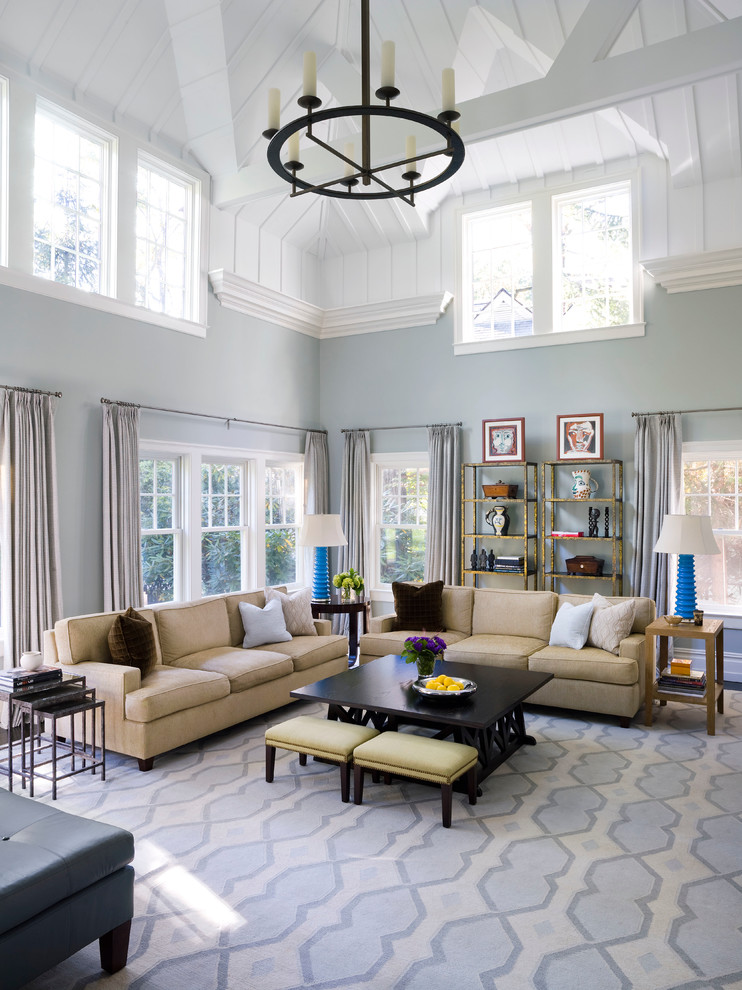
(316, 474)
(355, 510)
(32, 589)
(442, 546)
(122, 561)
(658, 457)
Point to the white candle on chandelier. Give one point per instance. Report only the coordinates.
(410, 152)
(294, 147)
(274, 109)
(448, 89)
(310, 74)
(387, 63)
(349, 152)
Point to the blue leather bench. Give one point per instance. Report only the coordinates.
(64, 882)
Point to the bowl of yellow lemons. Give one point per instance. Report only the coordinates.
(444, 688)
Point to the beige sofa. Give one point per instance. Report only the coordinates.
(502, 628)
(203, 681)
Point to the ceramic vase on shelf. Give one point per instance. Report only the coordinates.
(498, 519)
(583, 486)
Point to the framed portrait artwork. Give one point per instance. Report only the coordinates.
(503, 440)
(580, 438)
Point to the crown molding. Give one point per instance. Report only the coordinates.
(689, 272)
(238, 293)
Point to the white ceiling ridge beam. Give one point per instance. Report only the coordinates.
(104, 48)
(593, 36)
(252, 299)
(690, 272)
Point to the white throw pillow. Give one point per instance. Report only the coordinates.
(297, 610)
(263, 625)
(611, 623)
(571, 625)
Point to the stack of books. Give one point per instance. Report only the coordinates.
(18, 678)
(509, 563)
(693, 683)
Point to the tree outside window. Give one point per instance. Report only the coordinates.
(161, 534)
(402, 526)
(222, 539)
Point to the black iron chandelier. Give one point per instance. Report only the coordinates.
(373, 178)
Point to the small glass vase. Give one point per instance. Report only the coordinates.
(425, 666)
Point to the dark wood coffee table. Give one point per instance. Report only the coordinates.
(381, 692)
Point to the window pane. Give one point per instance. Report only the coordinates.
(164, 512)
(402, 554)
(147, 511)
(220, 562)
(280, 556)
(158, 567)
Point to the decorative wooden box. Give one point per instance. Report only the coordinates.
(585, 565)
(500, 490)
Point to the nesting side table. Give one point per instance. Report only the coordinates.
(712, 633)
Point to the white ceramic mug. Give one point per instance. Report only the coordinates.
(31, 660)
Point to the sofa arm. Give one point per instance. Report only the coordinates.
(112, 682)
(323, 627)
(382, 623)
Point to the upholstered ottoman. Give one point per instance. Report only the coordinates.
(404, 754)
(308, 735)
(64, 882)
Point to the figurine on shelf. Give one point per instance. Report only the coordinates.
(482, 559)
(607, 523)
(491, 560)
(593, 520)
(474, 560)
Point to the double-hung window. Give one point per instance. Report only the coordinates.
(400, 517)
(223, 528)
(282, 517)
(160, 508)
(712, 486)
(73, 203)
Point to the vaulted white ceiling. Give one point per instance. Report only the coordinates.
(544, 86)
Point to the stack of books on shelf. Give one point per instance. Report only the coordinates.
(509, 563)
(18, 678)
(693, 682)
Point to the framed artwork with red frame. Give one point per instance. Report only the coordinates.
(503, 440)
(580, 438)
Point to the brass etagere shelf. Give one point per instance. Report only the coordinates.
(523, 542)
(554, 475)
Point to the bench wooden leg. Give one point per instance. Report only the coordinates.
(345, 782)
(357, 784)
(446, 803)
(270, 762)
(471, 784)
(114, 947)
(145, 765)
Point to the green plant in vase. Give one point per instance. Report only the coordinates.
(348, 581)
(424, 651)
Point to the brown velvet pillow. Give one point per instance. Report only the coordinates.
(419, 607)
(131, 641)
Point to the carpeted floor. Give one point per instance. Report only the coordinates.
(601, 858)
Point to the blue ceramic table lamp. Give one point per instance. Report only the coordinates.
(321, 531)
(686, 536)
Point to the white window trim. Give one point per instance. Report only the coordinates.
(254, 460)
(416, 459)
(545, 252)
(4, 170)
(710, 450)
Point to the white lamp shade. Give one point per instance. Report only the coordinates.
(686, 534)
(321, 530)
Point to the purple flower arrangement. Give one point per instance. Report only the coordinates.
(418, 648)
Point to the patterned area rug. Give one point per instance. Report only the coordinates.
(600, 859)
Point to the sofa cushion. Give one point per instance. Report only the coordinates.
(85, 637)
(131, 641)
(297, 610)
(232, 601)
(191, 627)
(380, 644)
(263, 625)
(503, 612)
(50, 855)
(310, 651)
(418, 607)
(457, 608)
(610, 623)
(496, 651)
(571, 625)
(243, 668)
(171, 689)
(587, 664)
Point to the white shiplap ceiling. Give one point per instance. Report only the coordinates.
(544, 86)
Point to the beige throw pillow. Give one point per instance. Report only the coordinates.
(297, 610)
(610, 623)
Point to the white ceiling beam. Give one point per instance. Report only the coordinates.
(590, 86)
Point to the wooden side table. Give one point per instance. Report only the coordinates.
(354, 610)
(712, 633)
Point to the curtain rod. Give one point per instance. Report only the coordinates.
(226, 419)
(683, 412)
(38, 391)
(424, 426)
